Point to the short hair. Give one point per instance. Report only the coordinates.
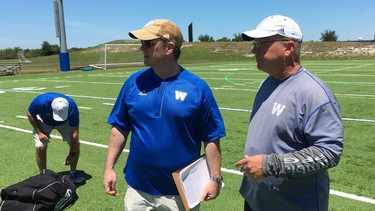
(176, 53)
(298, 47)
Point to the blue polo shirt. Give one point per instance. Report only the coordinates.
(168, 120)
(41, 105)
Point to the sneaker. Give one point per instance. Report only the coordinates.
(78, 180)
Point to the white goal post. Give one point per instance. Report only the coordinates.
(22, 58)
(117, 55)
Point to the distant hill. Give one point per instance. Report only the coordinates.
(203, 52)
(310, 50)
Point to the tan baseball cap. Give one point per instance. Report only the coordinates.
(159, 28)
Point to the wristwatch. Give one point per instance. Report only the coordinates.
(218, 179)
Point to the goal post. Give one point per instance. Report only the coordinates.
(119, 55)
(22, 58)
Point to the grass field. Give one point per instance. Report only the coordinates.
(234, 85)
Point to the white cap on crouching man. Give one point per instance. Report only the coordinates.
(60, 109)
(275, 25)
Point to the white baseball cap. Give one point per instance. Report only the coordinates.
(275, 25)
(60, 109)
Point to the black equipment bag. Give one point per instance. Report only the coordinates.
(47, 191)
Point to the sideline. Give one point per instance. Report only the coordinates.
(33, 91)
(343, 118)
(333, 192)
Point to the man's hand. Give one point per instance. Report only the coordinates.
(43, 136)
(69, 159)
(252, 166)
(109, 182)
(211, 191)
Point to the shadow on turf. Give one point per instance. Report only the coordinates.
(80, 173)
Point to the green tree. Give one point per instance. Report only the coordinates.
(329, 36)
(48, 49)
(10, 53)
(206, 38)
(55, 49)
(7, 53)
(223, 39)
(237, 37)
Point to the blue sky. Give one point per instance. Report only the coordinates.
(27, 23)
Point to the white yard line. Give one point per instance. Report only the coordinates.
(231, 171)
(87, 108)
(222, 108)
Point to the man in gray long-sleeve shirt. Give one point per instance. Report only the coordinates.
(295, 132)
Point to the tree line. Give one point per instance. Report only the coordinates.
(45, 50)
(326, 36)
(48, 49)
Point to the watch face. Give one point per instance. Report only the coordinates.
(217, 179)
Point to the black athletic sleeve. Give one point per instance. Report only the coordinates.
(299, 163)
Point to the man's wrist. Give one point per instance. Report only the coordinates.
(218, 179)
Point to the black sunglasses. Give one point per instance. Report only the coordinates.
(147, 43)
(261, 44)
(150, 43)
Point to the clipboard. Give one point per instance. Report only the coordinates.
(191, 181)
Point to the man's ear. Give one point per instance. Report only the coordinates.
(290, 48)
(170, 47)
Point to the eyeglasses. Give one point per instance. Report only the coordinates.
(262, 44)
(150, 43)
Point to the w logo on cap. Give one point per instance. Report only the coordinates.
(281, 31)
(60, 109)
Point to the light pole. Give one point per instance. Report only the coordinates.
(60, 33)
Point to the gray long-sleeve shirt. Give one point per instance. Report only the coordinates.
(296, 123)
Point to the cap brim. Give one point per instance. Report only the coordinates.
(60, 117)
(143, 34)
(256, 33)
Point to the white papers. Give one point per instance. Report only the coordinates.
(191, 181)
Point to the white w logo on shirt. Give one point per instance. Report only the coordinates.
(180, 95)
(277, 108)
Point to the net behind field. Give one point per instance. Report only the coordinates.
(119, 55)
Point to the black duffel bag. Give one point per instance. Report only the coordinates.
(45, 191)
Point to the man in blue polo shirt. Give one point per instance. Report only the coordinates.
(55, 111)
(169, 112)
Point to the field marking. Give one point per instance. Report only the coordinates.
(222, 108)
(253, 82)
(359, 120)
(351, 67)
(231, 171)
(235, 109)
(54, 136)
(352, 196)
(87, 108)
(60, 87)
(346, 119)
(110, 104)
(83, 82)
(354, 95)
(231, 69)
